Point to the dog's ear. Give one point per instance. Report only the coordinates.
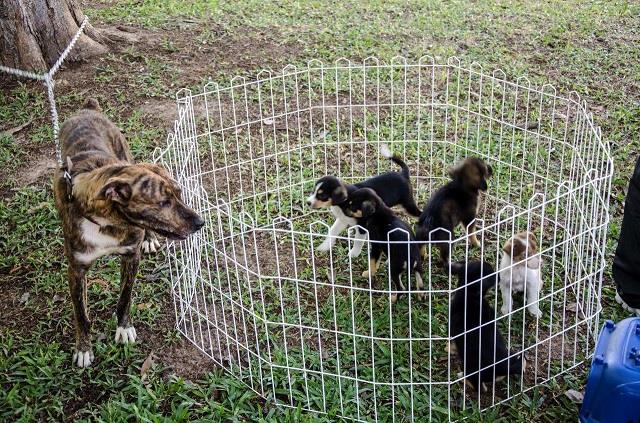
(368, 208)
(457, 267)
(162, 172)
(514, 247)
(455, 172)
(339, 195)
(533, 243)
(489, 171)
(117, 190)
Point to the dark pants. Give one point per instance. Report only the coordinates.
(626, 263)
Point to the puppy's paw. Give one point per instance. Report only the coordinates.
(535, 312)
(83, 359)
(325, 246)
(394, 298)
(504, 310)
(365, 274)
(354, 252)
(126, 335)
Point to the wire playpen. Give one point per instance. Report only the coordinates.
(302, 327)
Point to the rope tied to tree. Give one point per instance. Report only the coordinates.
(49, 82)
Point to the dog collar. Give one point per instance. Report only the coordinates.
(69, 182)
(67, 178)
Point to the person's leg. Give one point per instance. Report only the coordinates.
(626, 263)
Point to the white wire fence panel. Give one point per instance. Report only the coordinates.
(305, 328)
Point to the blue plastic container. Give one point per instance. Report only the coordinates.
(613, 386)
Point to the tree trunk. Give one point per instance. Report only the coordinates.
(33, 33)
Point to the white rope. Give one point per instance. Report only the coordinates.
(49, 83)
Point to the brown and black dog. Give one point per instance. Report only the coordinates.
(456, 203)
(107, 204)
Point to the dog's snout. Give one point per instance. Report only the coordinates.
(198, 222)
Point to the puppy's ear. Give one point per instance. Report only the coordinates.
(339, 195)
(457, 268)
(489, 171)
(117, 190)
(368, 208)
(514, 247)
(455, 172)
(507, 247)
(533, 243)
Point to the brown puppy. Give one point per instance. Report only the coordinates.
(456, 203)
(106, 204)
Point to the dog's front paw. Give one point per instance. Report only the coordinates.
(83, 359)
(150, 244)
(325, 246)
(354, 252)
(505, 310)
(535, 312)
(126, 335)
(366, 274)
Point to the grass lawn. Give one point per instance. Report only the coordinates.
(158, 47)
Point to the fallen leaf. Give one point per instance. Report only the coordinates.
(57, 298)
(146, 365)
(24, 298)
(574, 396)
(15, 129)
(143, 306)
(268, 121)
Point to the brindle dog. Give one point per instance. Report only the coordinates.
(107, 204)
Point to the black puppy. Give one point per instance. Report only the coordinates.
(453, 204)
(392, 187)
(371, 213)
(476, 339)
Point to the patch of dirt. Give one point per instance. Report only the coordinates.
(37, 169)
(164, 111)
(185, 360)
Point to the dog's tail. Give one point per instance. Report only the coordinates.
(386, 152)
(92, 104)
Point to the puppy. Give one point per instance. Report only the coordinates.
(476, 339)
(456, 203)
(106, 204)
(371, 213)
(392, 187)
(520, 272)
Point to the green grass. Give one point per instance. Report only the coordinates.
(589, 47)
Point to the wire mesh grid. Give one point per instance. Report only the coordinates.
(304, 328)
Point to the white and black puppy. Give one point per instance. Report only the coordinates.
(394, 188)
(476, 338)
(371, 213)
(520, 272)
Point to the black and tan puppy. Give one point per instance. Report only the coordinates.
(456, 203)
(106, 206)
(394, 188)
(476, 339)
(388, 235)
